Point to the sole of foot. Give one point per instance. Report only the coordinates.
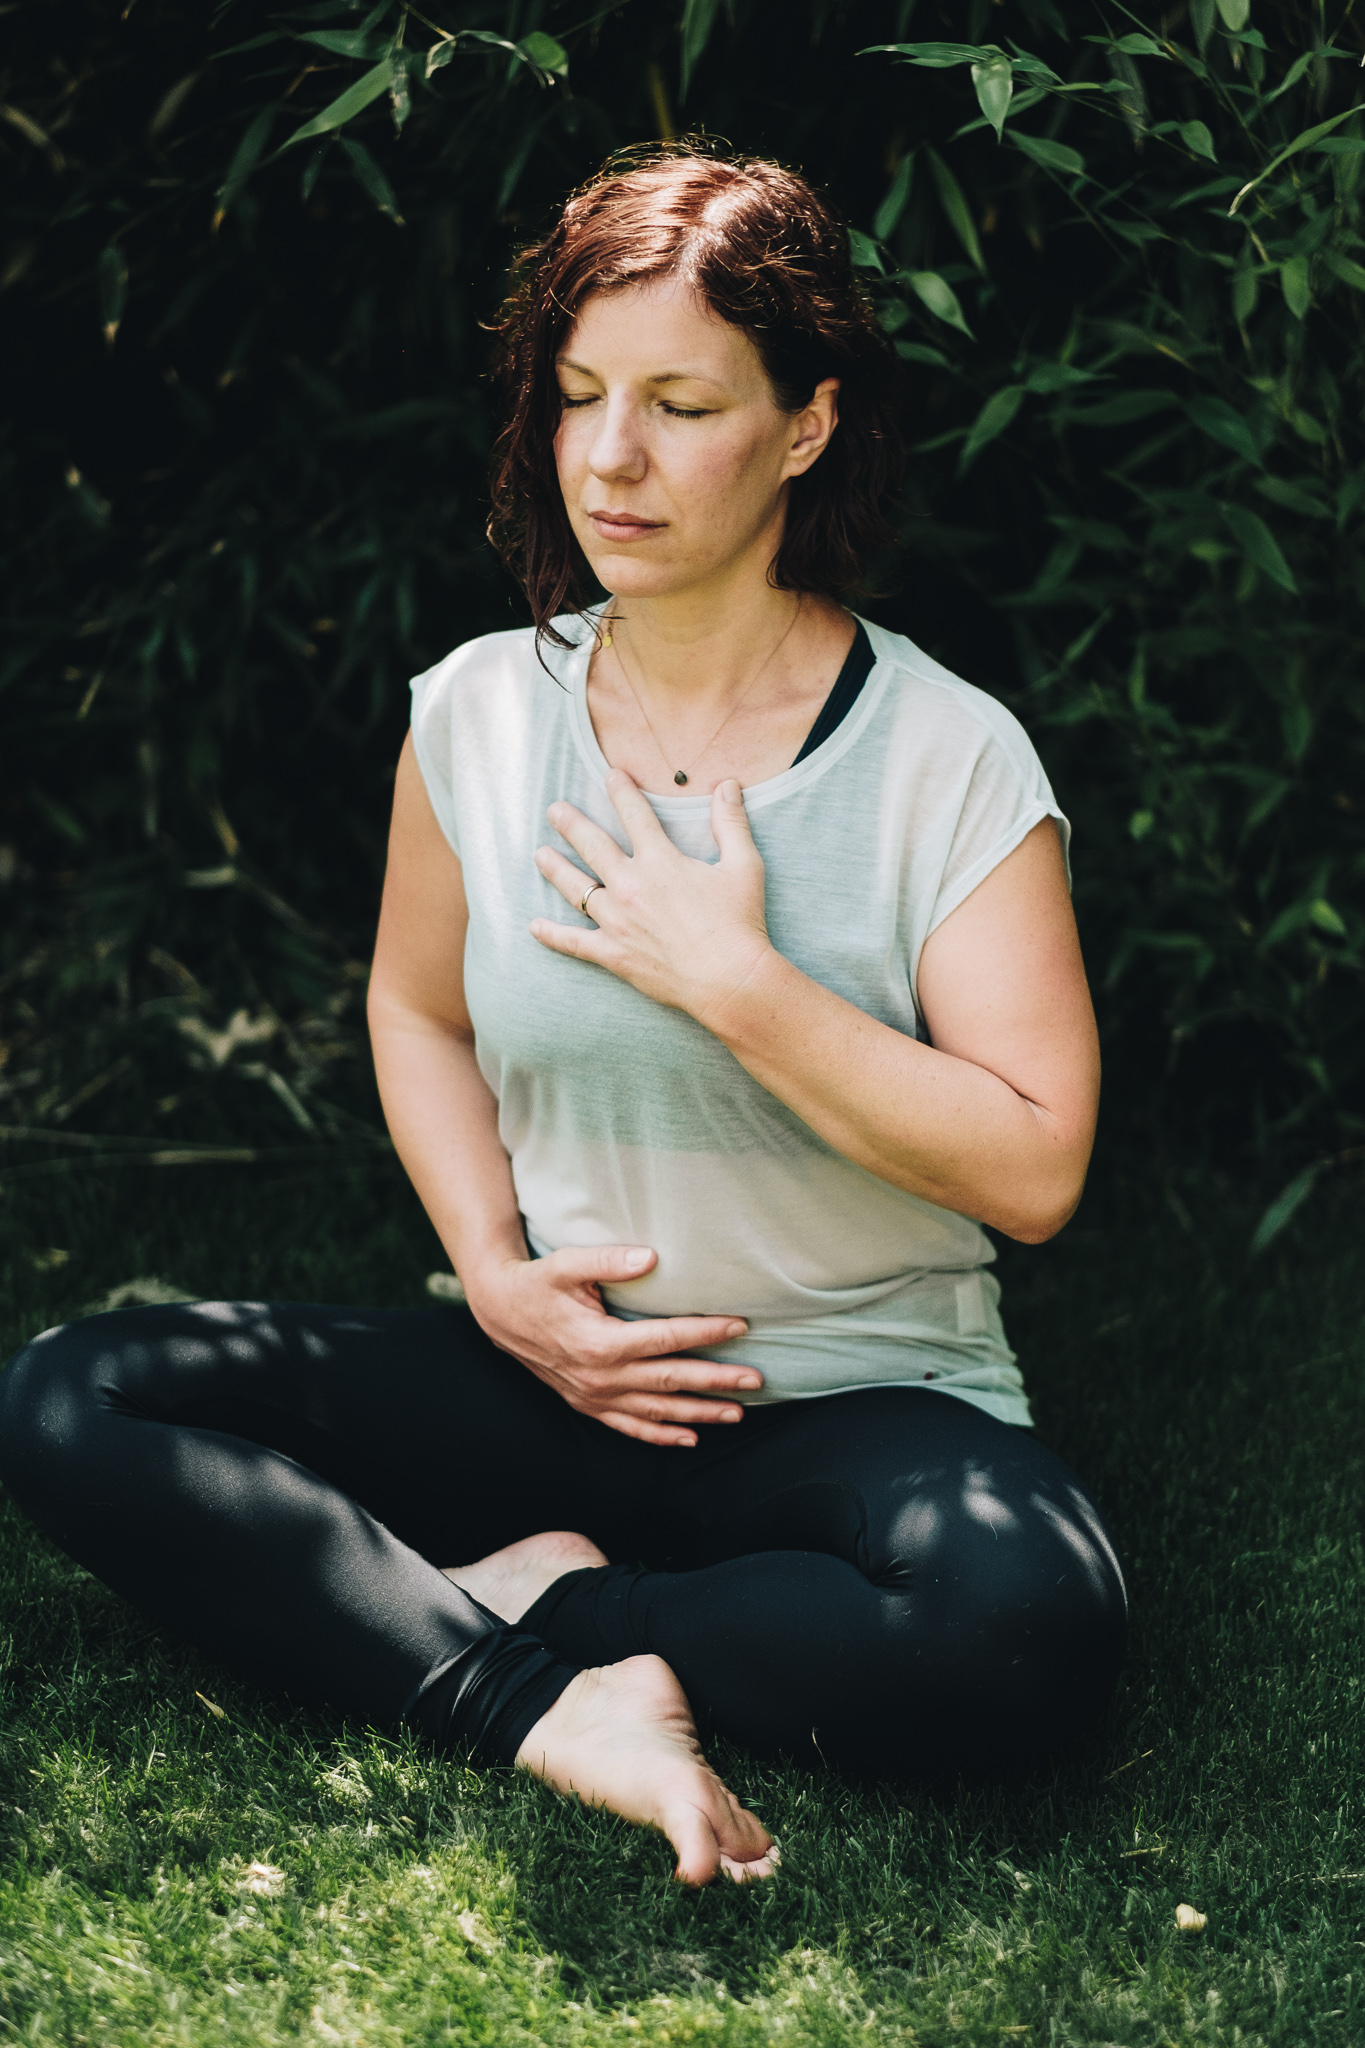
(513, 1579)
(623, 1737)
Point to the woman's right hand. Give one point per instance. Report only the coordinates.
(548, 1313)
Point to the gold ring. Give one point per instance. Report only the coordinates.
(583, 906)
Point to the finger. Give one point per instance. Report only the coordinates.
(730, 821)
(633, 809)
(561, 874)
(601, 1262)
(689, 1376)
(662, 1336)
(569, 938)
(679, 1411)
(648, 1432)
(597, 847)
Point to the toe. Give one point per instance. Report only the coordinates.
(751, 1873)
(741, 1834)
(692, 1835)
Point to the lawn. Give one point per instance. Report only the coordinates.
(1218, 1407)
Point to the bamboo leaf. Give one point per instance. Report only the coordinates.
(1196, 136)
(698, 20)
(1053, 156)
(1260, 544)
(248, 155)
(113, 285)
(372, 178)
(1222, 422)
(1131, 45)
(545, 54)
(938, 295)
(1285, 1206)
(1121, 410)
(1321, 913)
(1300, 142)
(994, 82)
(1047, 378)
(347, 105)
(1293, 75)
(954, 203)
(994, 417)
(887, 217)
(1235, 13)
(1294, 283)
(1345, 268)
(933, 56)
(347, 42)
(863, 251)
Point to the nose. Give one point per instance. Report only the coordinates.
(618, 452)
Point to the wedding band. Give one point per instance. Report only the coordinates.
(583, 906)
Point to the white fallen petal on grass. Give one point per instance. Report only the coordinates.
(263, 1879)
(147, 1291)
(445, 1287)
(1189, 1921)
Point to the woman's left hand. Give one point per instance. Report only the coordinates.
(687, 933)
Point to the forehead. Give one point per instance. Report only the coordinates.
(665, 329)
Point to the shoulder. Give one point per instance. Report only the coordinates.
(957, 713)
(489, 658)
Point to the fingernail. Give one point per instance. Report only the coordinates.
(751, 1380)
(733, 1415)
(736, 1329)
(730, 791)
(636, 1261)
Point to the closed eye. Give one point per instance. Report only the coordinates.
(675, 412)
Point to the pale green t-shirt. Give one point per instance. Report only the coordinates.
(628, 1123)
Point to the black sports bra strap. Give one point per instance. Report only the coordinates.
(858, 666)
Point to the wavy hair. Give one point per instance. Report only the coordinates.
(766, 253)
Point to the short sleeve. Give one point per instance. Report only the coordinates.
(432, 742)
(1000, 798)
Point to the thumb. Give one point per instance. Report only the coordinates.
(730, 820)
(607, 1263)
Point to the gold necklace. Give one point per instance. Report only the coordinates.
(680, 775)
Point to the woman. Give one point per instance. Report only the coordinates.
(702, 1093)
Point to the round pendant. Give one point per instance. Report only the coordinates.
(681, 776)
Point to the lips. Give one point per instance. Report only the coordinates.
(614, 525)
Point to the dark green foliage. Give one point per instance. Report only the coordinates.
(1220, 1418)
(248, 252)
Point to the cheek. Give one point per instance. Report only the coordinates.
(565, 458)
(736, 478)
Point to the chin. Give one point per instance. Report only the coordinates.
(627, 576)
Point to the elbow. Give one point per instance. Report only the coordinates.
(1046, 1208)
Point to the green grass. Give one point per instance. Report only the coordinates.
(1218, 1408)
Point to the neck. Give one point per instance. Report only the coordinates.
(705, 646)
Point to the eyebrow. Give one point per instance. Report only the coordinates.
(664, 376)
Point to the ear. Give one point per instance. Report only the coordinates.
(812, 428)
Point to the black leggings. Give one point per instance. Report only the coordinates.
(890, 1578)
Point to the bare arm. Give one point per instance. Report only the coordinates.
(546, 1312)
(994, 1119)
(440, 1111)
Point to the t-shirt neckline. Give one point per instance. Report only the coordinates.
(775, 787)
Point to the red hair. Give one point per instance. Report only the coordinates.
(767, 254)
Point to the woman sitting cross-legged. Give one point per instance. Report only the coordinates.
(726, 983)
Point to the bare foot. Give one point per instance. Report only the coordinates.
(511, 1580)
(623, 1737)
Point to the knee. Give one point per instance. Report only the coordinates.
(47, 1391)
(1043, 1639)
(1010, 1628)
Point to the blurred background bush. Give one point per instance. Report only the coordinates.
(247, 255)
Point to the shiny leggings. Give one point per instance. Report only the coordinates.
(889, 1579)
